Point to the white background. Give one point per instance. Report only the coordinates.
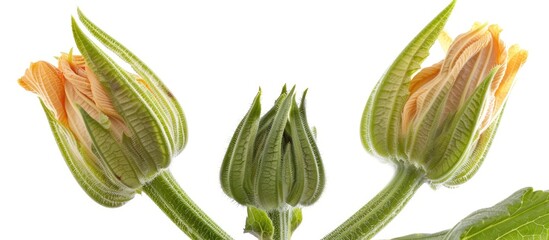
(214, 56)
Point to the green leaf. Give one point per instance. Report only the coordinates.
(87, 173)
(424, 236)
(523, 215)
(259, 224)
(380, 125)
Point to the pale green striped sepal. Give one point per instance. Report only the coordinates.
(113, 158)
(131, 100)
(83, 166)
(381, 119)
(238, 162)
(453, 147)
(477, 155)
(163, 103)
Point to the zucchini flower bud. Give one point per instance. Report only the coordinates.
(435, 126)
(273, 162)
(273, 167)
(116, 130)
(443, 119)
(454, 106)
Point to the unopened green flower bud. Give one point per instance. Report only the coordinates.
(273, 161)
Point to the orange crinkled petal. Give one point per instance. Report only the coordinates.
(47, 82)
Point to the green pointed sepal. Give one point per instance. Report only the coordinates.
(269, 179)
(381, 119)
(307, 182)
(477, 155)
(116, 160)
(85, 168)
(450, 154)
(132, 100)
(166, 107)
(238, 162)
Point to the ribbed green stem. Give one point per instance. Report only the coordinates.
(282, 220)
(371, 218)
(175, 203)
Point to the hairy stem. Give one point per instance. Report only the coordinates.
(379, 211)
(175, 203)
(282, 220)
